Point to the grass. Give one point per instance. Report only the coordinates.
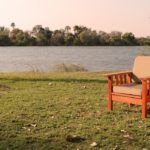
(39, 110)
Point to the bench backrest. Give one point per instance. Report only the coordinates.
(141, 66)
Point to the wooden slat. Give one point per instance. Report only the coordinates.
(129, 78)
(129, 100)
(127, 95)
(121, 80)
(117, 81)
(125, 78)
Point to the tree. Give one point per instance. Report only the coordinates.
(48, 34)
(67, 29)
(36, 29)
(20, 38)
(129, 39)
(69, 39)
(77, 30)
(88, 37)
(104, 38)
(58, 38)
(42, 35)
(12, 25)
(115, 38)
(143, 41)
(4, 37)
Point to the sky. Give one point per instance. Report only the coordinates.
(106, 15)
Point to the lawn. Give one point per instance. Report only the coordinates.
(40, 110)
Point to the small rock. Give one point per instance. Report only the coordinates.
(74, 138)
(49, 83)
(124, 142)
(94, 144)
(115, 148)
(123, 131)
(26, 128)
(126, 136)
(84, 86)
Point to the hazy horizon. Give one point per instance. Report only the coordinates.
(107, 15)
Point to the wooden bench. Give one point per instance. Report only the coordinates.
(131, 87)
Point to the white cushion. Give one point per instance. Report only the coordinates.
(133, 89)
(141, 66)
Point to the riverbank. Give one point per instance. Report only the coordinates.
(39, 110)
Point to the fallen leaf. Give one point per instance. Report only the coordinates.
(94, 144)
(33, 125)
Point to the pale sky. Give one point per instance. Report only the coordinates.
(106, 15)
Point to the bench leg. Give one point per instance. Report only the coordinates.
(144, 110)
(144, 98)
(110, 102)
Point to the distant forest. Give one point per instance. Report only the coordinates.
(78, 36)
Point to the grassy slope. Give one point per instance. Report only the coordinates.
(61, 104)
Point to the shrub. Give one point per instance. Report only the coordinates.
(69, 68)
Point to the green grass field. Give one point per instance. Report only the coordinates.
(39, 110)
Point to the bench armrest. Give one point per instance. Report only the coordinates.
(118, 73)
(119, 78)
(145, 78)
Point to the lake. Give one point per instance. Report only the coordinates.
(96, 58)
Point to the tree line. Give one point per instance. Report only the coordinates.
(78, 36)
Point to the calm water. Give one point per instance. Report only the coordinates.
(45, 58)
